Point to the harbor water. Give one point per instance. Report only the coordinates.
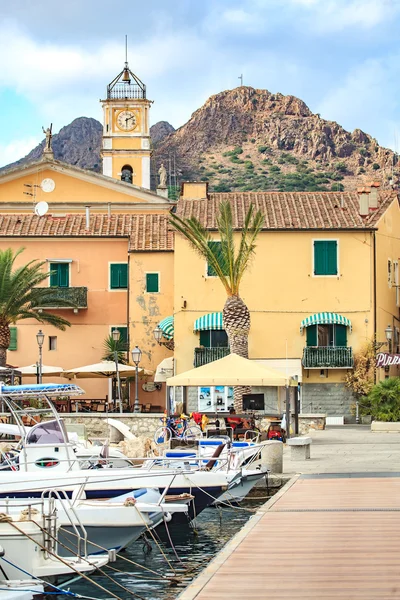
(193, 548)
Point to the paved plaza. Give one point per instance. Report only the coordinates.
(348, 449)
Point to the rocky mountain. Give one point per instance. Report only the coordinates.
(77, 144)
(160, 130)
(247, 139)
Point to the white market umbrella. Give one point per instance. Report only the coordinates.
(105, 368)
(32, 370)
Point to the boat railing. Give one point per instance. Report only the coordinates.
(70, 512)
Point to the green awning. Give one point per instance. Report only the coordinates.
(212, 321)
(325, 318)
(167, 327)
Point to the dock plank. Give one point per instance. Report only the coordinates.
(321, 539)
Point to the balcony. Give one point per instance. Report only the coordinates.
(203, 356)
(73, 298)
(327, 357)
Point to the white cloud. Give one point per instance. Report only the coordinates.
(17, 149)
(65, 81)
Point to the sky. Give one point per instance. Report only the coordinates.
(342, 57)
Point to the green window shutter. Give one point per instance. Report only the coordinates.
(123, 276)
(13, 338)
(325, 257)
(54, 274)
(119, 276)
(340, 335)
(114, 277)
(205, 339)
(63, 275)
(331, 258)
(210, 271)
(152, 282)
(312, 335)
(319, 259)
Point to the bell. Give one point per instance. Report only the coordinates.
(126, 77)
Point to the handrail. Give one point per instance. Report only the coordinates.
(56, 493)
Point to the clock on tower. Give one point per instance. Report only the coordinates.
(126, 131)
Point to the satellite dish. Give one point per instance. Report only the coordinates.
(41, 209)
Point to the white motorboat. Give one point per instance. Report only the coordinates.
(29, 554)
(48, 460)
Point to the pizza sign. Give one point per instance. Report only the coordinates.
(384, 359)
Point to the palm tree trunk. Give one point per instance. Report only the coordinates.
(236, 319)
(4, 343)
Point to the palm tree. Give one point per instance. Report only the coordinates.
(229, 262)
(110, 347)
(19, 295)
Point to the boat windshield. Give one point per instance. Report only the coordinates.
(50, 432)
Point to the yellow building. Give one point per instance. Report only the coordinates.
(324, 281)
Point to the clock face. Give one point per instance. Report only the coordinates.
(126, 120)
(48, 185)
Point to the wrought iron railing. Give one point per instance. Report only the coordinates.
(327, 357)
(120, 91)
(67, 297)
(203, 356)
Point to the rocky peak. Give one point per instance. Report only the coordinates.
(160, 130)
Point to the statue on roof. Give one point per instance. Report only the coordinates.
(162, 171)
(48, 133)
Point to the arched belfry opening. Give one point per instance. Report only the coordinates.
(127, 174)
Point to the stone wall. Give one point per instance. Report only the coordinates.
(142, 425)
(332, 399)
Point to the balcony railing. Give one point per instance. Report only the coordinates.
(327, 357)
(203, 356)
(67, 297)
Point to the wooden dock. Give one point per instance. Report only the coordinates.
(322, 537)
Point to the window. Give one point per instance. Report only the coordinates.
(325, 257)
(127, 174)
(152, 283)
(214, 339)
(327, 335)
(389, 272)
(123, 334)
(59, 274)
(13, 338)
(52, 342)
(119, 276)
(210, 270)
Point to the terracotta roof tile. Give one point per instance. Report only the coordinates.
(290, 210)
(145, 231)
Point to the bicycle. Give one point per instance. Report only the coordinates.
(177, 428)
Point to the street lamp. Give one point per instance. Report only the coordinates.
(136, 356)
(40, 342)
(389, 336)
(115, 336)
(158, 336)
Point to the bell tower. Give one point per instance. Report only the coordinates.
(126, 132)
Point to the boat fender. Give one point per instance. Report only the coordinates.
(167, 517)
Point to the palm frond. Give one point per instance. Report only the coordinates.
(227, 262)
(110, 346)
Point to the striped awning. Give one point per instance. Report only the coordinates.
(325, 318)
(167, 327)
(212, 321)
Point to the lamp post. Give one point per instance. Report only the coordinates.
(158, 336)
(115, 336)
(136, 356)
(389, 336)
(40, 342)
